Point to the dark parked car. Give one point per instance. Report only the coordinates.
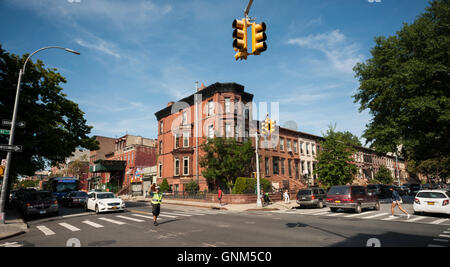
(352, 197)
(37, 203)
(312, 197)
(75, 198)
(19, 196)
(380, 190)
(414, 188)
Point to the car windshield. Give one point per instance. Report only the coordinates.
(80, 194)
(431, 195)
(339, 190)
(304, 192)
(38, 196)
(103, 196)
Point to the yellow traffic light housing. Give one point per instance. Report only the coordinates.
(240, 38)
(258, 38)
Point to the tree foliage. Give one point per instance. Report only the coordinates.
(164, 187)
(225, 160)
(333, 166)
(405, 87)
(384, 175)
(55, 125)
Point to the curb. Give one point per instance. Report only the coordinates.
(271, 209)
(13, 235)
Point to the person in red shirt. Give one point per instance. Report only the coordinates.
(220, 196)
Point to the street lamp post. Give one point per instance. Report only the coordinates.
(13, 127)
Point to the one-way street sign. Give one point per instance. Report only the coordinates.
(13, 148)
(20, 124)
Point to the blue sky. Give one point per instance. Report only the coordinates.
(137, 55)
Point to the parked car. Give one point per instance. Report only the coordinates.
(380, 190)
(104, 202)
(75, 198)
(37, 203)
(19, 196)
(432, 201)
(309, 197)
(405, 191)
(351, 197)
(414, 188)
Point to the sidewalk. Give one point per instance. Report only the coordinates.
(280, 205)
(13, 226)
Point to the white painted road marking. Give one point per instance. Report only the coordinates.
(45, 230)
(129, 218)
(143, 216)
(70, 227)
(374, 216)
(439, 221)
(359, 214)
(96, 225)
(111, 221)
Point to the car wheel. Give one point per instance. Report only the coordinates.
(377, 206)
(333, 209)
(358, 208)
(320, 205)
(86, 208)
(96, 209)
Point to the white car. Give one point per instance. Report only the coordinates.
(104, 202)
(432, 201)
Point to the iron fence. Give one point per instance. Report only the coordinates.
(185, 195)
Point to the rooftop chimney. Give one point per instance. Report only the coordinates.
(170, 103)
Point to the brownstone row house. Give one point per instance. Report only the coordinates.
(120, 163)
(226, 110)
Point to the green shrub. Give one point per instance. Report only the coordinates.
(248, 185)
(164, 185)
(192, 186)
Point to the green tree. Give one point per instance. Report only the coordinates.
(55, 126)
(164, 185)
(225, 160)
(333, 166)
(192, 186)
(405, 87)
(384, 175)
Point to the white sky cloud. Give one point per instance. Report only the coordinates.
(342, 55)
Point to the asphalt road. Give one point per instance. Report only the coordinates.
(195, 227)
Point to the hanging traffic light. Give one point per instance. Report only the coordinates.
(240, 38)
(258, 38)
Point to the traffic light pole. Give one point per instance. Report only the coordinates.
(258, 188)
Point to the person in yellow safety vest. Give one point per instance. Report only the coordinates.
(156, 204)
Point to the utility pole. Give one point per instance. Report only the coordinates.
(196, 98)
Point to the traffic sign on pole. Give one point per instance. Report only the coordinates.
(20, 124)
(12, 148)
(3, 131)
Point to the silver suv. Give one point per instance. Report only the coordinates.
(312, 197)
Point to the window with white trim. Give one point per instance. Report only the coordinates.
(186, 166)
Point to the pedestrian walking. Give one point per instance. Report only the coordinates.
(396, 201)
(156, 204)
(286, 197)
(219, 196)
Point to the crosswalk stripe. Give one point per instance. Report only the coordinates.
(305, 212)
(439, 221)
(176, 214)
(111, 221)
(45, 230)
(336, 214)
(374, 216)
(444, 236)
(189, 213)
(129, 218)
(70, 227)
(446, 232)
(143, 216)
(93, 224)
(321, 213)
(415, 219)
(164, 215)
(359, 214)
